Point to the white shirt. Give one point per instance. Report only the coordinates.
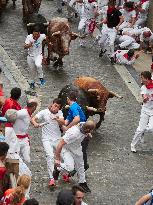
(22, 122)
(145, 6)
(88, 9)
(83, 203)
(149, 93)
(50, 131)
(120, 59)
(128, 15)
(36, 48)
(73, 138)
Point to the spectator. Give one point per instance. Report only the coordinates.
(78, 193)
(65, 197)
(32, 201)
(3, 152)
(16, 196)
(146, 40)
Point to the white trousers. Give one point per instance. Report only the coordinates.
(82, 27)
(145, 125)
(67, 159)
(106, 42)
(24, 149)
(11, 140)
(35, 67)
(128, 42)
(140, 22)
(125, 24)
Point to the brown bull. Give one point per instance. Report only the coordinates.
(30, 7)
(59, 38)
(98, 95)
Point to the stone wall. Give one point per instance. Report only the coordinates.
(150, 16)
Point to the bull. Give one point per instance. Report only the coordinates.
(30, 7)
(92, 96)
(59, 38)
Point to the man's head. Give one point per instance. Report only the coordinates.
(128, 6)
(78, 193)
(88, 126)
(65, 197)
(146, 34)
(36, 33)
(4, 147)
(32, 201)
(55, 106)
(32, 105)
(72, 97)
(15, 93)
(130, 53)
(145, 77)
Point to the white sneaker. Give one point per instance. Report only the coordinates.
(133, 149)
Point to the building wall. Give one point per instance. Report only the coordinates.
(150, 16)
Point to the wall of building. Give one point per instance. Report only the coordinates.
(150, 16)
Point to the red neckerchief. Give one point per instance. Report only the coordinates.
(92, 26)
(152, 66)
(126, 56)
(150, 85)
(130, 9)
(110, 10)
(91, 1)
(28, 111)
(143, 1)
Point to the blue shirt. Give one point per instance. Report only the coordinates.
(76, 110)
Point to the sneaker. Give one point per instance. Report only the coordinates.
(85, 187)
(133, 149)
(86, 167)
(102, 53)
(66, 177)
(82, 43)
(112, 60)
(32, 85)
(56, 173)
(42, 81)
(52, 182)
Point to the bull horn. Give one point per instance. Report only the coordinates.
(56, 33)
(30, 24)
(76, 34)
(46, 24)
(115, 95)
(91, 109)
(92, 90)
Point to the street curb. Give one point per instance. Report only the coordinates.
(16, 74)
(129, 81)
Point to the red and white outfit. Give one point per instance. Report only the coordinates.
(21, 127)
(34, 58)
(10, 136)
(146, 117)
(142, 16)
(128, 15)
(121, 57)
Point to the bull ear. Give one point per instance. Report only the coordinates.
(74, 36)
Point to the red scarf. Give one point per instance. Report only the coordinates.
(110, 10)
(91, 1)
(143, 1)
(92, 26)
(150, 85)
(126, 56)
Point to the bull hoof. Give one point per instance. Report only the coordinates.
(55, 65)
(55, 59)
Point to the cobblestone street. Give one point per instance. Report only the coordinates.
(116, 176)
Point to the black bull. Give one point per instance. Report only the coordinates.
(83, 100)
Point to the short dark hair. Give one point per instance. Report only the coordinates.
(15, 93)
(146, 75)
(130, 52)
(65, 197)
(76, 188)
(32, 104)
(36, 28)
(72, 96)
(57, 101)
(129, 5)
(32, 201)
(4, 147)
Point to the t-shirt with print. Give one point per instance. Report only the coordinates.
(50, 131)
(148, 93)
(73, 138)
(88, 9)
(36, 48)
